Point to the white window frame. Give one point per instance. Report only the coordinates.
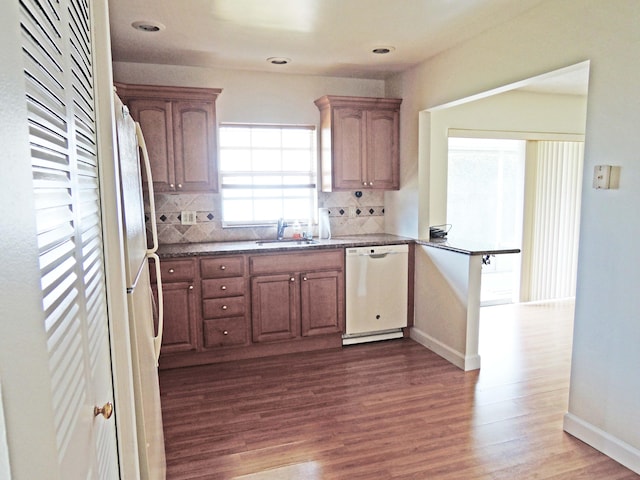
(237, 180)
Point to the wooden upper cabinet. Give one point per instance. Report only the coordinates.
(155, 120)
(195, 150)
(359, 143)
(179, 126)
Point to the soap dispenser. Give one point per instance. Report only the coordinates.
(297, 230)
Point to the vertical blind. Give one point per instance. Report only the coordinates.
(556, 222)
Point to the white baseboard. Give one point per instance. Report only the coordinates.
(611, 446)
(461, 361)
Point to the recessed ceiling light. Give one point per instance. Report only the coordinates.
(382, 50)
(147, 26)
(278, 60)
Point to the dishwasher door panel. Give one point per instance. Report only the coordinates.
(376, 288)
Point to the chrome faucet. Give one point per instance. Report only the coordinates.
(281, 226)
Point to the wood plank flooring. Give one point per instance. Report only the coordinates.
(388, 410)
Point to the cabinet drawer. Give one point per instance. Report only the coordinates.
(297, 262)
(222, 267)
(175, 271)
(225, 332)
(223, 307)
(223, 287)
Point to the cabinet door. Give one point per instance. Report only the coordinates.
(322, 303)
(179, 334)
(195, 146)
(274, 307)
(382, 154)
(348, 148)
(154, 117)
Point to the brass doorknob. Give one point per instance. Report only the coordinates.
(106, 411)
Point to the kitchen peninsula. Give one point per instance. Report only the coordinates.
(215, 309)
(447, 288)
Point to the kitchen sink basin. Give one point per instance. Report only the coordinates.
(288, 241)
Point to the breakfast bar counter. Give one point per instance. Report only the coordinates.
(447, 297)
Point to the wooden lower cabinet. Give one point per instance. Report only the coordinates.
(322, 303)
(180, 331)
(306, 301)
(224, 332)
(244, 306)
(224, 303)
(274, 307)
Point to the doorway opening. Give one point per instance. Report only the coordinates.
(524, 194)
(485, 194)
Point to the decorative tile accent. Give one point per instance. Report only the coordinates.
(348, 215)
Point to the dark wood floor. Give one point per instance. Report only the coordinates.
(388, 410)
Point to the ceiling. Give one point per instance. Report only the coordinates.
(320, 37)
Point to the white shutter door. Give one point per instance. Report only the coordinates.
(60, 100)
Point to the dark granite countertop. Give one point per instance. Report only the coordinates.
(178, 250)
(466, 247)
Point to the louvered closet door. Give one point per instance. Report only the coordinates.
(57, 50)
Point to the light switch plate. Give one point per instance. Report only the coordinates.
(601, 176)
(188, 217)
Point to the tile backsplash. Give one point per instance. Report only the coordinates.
(348, 215)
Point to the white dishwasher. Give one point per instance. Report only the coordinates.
(376, 293)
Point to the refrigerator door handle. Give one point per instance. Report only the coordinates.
(152, 204)
(157, 340)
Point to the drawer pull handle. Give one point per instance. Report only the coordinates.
(171, 270)
(223, 267)
(224, 307)
(223, 287)
(225, 333)
(190, 287)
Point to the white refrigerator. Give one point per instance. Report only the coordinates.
(145, 340)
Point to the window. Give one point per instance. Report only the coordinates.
(267, 172)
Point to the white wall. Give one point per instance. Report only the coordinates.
(605, 385)
(514, 111)
(252, 96)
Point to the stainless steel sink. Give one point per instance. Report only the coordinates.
(288, 241)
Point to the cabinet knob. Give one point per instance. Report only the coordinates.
(293, 279)
(224, 307)
(171, 270)
(172, 186)
(304, 279)
(179, 185)
(223, 287)
(225, 332)
(190, 287)
(364, 183)
(106, 411)
(223, 267)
